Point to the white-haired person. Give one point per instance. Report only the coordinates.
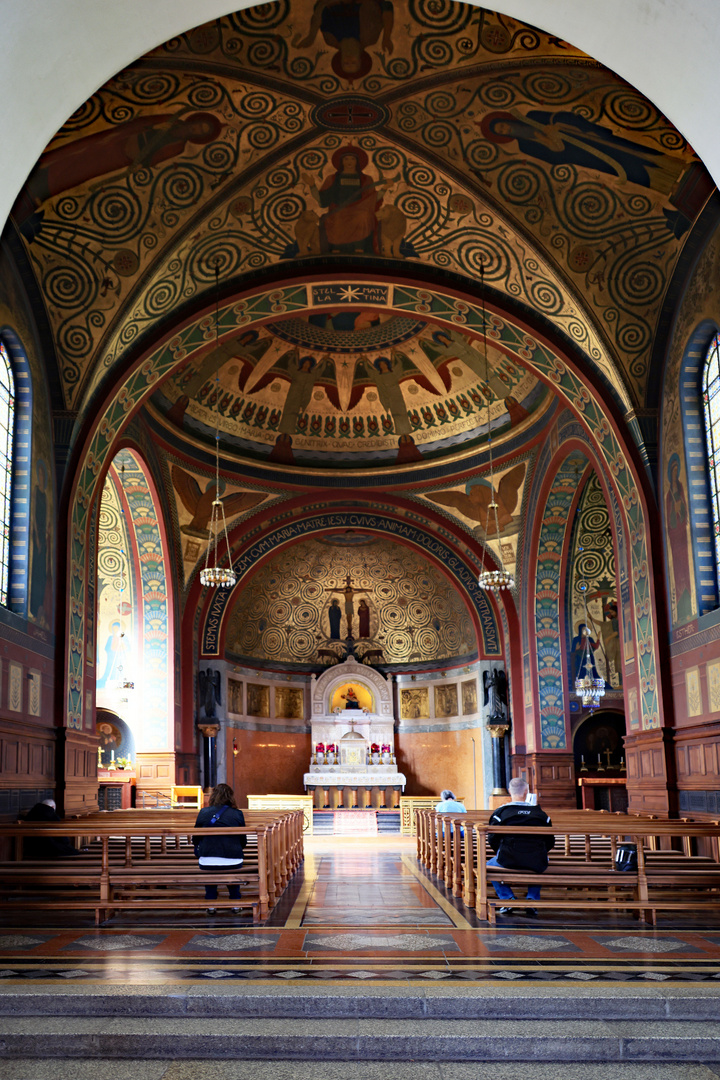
(517, 851)
(448, 804)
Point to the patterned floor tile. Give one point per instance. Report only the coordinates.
(115, 942)
(230, 942)
(646, 944)
(401, 942)
(527, 943)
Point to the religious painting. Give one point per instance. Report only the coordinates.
(693, 692)
(235, 696)
(355, 695)
(595, 647)
(115, 737)
(299, 606)
(713, 684)
(258, 700)
(289, 702)
(633, 708)
(469, 697)
(446, 700)
(116, 588)
(415, 704)
(15, 696)
(681, 565)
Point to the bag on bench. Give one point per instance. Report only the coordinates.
(626, 858)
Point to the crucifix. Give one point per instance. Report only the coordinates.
(349, 592)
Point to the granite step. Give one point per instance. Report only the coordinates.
(263, 1038)
(333, 1002)
(283, 1069)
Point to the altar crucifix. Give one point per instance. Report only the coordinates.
(349, 592)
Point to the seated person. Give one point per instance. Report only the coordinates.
(449, 804)
(46, 847)
(222, 852)
(519, 852)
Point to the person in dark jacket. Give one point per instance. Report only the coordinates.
(515, 851)
(221, 852)
(46, 847)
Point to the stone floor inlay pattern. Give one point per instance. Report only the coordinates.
(362, 914)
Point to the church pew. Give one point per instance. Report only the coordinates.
(112, 886)
(583, 838)
(670, 881)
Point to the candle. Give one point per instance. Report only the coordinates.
(112, 755)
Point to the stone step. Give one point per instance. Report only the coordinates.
(332, 1002)
(284, 1069)
(263, 1038)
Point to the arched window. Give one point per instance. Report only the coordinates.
(711, 403)
(7, 440)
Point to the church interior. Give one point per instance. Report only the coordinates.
(359, 398)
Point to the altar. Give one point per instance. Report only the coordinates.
(353, 762)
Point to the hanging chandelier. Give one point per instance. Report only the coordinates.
(213, 574)
(501, 578)
(589, 686)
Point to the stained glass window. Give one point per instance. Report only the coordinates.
(7, 429)
(711, 405)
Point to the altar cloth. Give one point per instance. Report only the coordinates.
(377, 776)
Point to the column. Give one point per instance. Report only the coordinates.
(209, 734)
(498, 731)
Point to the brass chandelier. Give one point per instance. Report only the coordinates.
(212, 574)
(501, 578)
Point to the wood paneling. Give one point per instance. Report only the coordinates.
(27, 755)
(78, 787)
(651, 772)
(697, 761)
(551, 776)
(155, 772)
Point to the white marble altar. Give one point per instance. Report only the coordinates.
(353, 732)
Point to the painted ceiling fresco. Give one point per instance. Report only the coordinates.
(300, 606)
(416, 132)
(352, 385)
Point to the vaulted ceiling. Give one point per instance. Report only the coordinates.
(383, 141)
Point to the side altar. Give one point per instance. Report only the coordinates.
(353, 739)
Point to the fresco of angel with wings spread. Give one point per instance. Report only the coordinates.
(199, 503)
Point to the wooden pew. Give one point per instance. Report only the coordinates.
(664, 881)
(132, 860)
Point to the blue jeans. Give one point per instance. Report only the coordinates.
(504, 892)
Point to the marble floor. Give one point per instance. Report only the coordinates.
(360, 909)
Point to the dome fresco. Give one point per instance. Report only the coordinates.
(402, 607)
(346, 384)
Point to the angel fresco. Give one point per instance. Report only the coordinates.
(444, 346)
(566, 138)
(475, 504)
(350, 27)
(134, 144)
(199, 503)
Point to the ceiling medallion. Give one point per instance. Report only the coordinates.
(349, 114)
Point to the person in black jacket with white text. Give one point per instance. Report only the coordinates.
(221, 852)
(515, 851)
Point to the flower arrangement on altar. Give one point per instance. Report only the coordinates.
(374, 748)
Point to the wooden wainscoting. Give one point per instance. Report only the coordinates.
(551, 775)
(77, 777)
(27, 765)
(697, 760)
(650, 762)
(155, 772)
